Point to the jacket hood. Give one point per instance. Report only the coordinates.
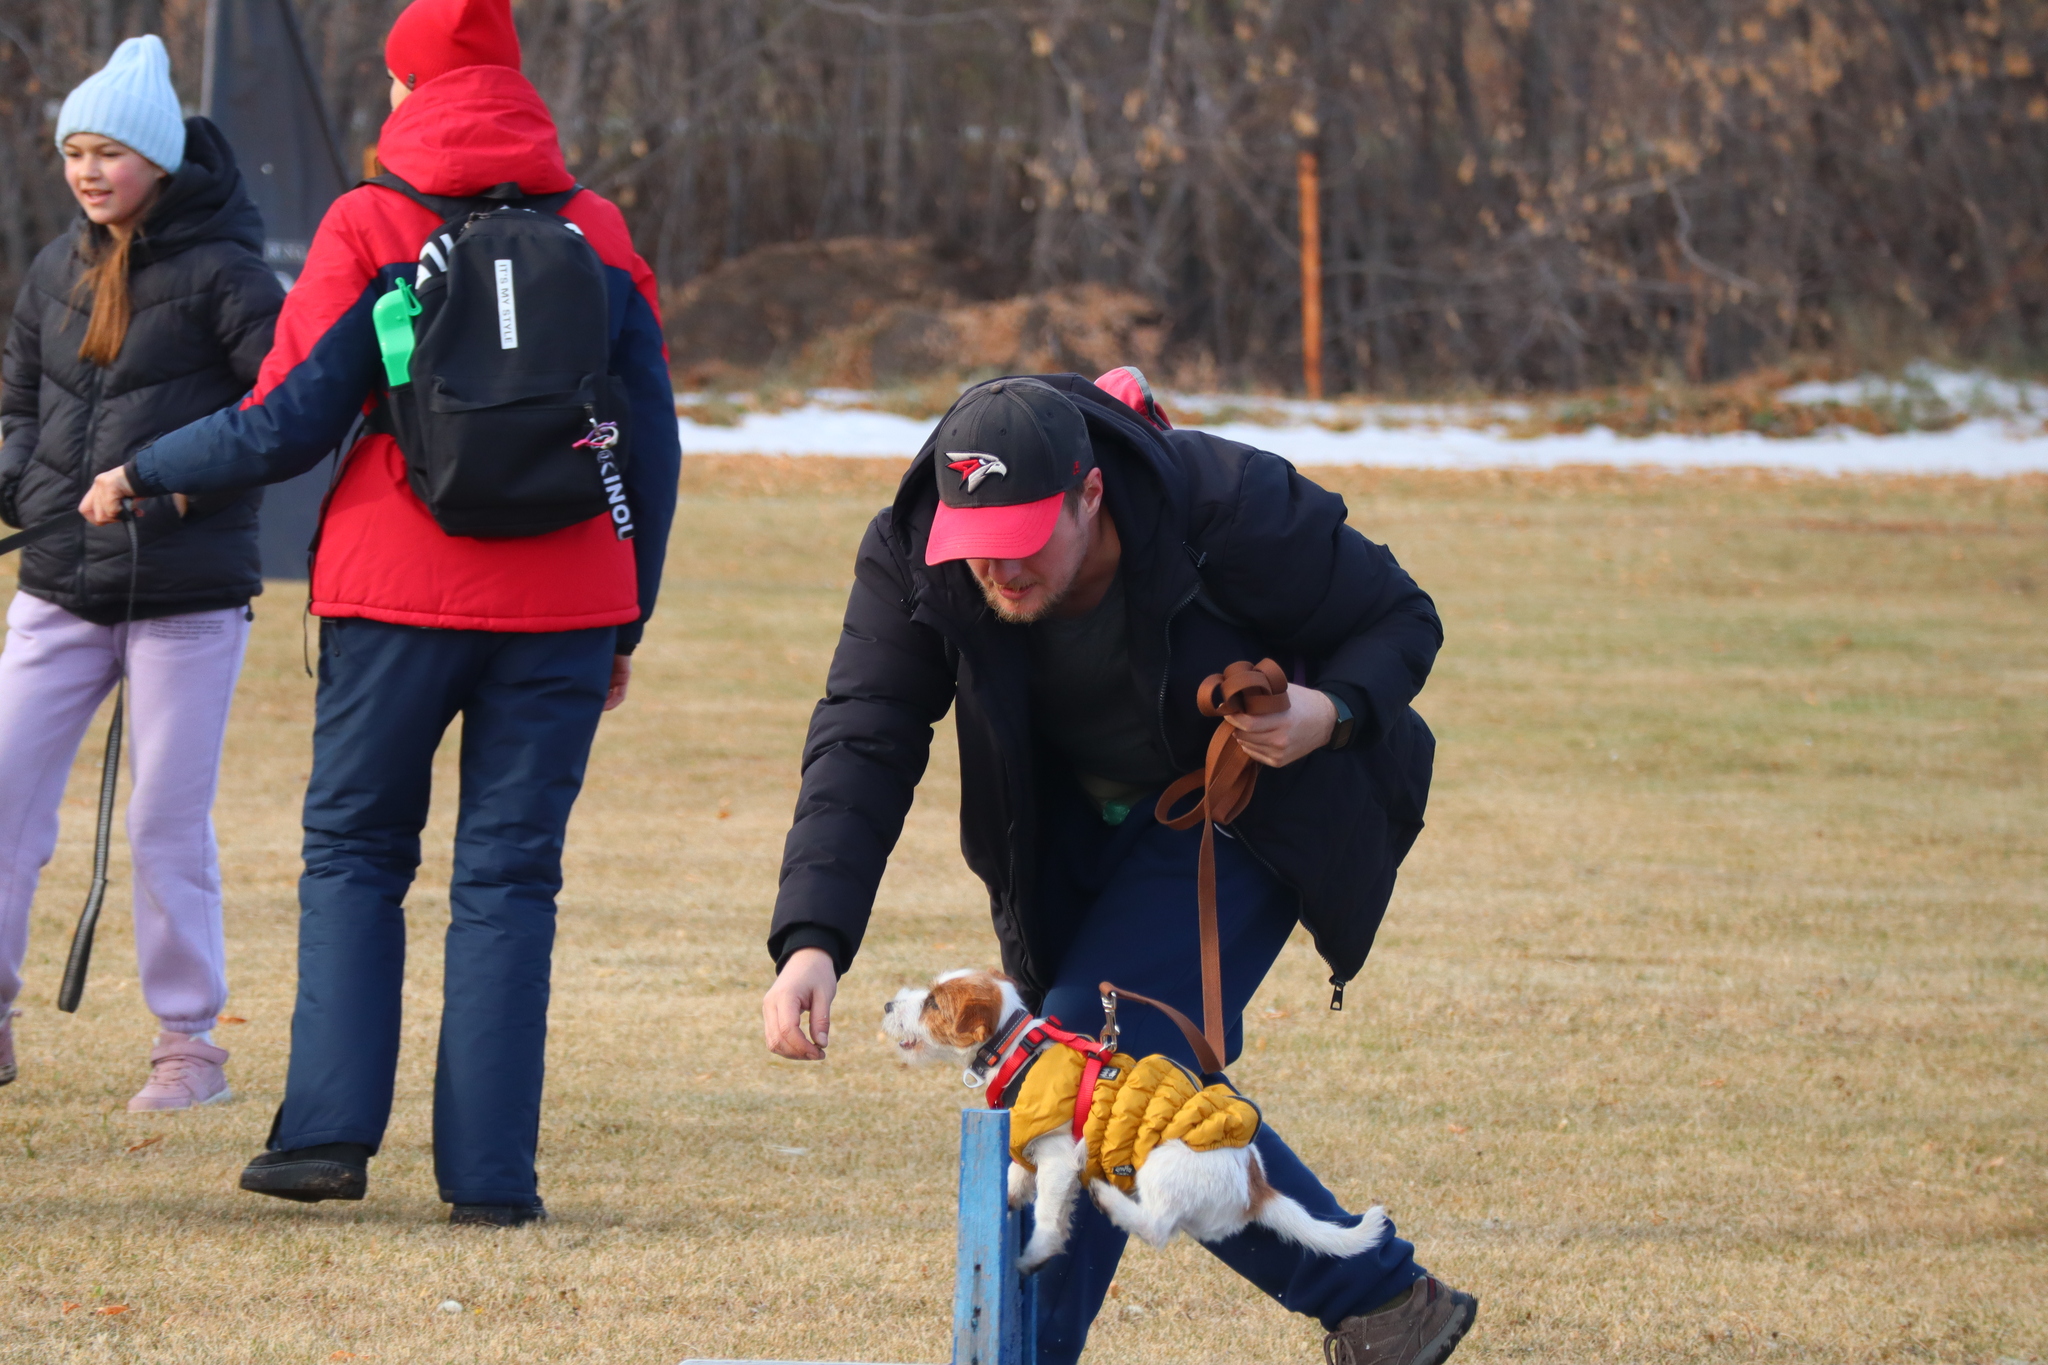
(477, 126)
(205, 201)
(430, 38)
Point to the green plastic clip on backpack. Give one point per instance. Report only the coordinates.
(392, 316)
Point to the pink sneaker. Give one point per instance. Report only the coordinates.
(182, 1072)
(7, 1044)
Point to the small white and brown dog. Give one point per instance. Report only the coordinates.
(1158, 1150)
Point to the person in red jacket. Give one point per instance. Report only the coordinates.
(527, 639)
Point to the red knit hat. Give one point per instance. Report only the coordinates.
(434, 37)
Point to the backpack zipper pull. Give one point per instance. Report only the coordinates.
(601, 437)
(1336, 994)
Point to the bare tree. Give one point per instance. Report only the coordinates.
(1514, 192)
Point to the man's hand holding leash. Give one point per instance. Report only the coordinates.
(1279, 739)
(805, 985)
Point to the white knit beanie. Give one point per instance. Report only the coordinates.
(130, 100)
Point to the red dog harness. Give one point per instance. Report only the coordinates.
(1037, 1036)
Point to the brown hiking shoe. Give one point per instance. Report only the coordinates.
(1422, 1327)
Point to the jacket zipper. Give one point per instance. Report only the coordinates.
(1166, 669)
(85, 478)
(1337, 984)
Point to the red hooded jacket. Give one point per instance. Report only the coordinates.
(380, 554)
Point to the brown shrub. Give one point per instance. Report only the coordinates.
(1084, 328)
(762, 309)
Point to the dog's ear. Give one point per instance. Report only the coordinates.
(963, 1012)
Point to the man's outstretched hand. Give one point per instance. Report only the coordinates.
(1281, 738)
(805, 985)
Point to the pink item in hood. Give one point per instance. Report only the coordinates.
(1128, 385)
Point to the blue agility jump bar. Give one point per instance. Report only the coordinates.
(995, 1316)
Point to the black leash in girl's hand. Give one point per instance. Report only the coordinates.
(39, 530)
(73, 987)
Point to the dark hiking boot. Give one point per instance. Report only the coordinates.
(332, 1170)
(1420, 1327)
(6, 1044)
(497, 1215)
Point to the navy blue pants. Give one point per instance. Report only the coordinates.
(529, 705)
(1132, 891)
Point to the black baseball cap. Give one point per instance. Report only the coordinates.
(1007, 454)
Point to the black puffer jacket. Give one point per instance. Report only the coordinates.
(1228, 554)
(203, 307)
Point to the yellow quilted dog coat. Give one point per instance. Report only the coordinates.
(1138, 1105)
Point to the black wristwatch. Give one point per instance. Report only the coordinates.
(1340, 734)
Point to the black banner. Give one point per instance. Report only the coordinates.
(262, 91)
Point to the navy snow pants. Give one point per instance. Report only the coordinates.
(1130, 895)
(530, 705)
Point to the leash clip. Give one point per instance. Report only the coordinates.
(1110, 1032)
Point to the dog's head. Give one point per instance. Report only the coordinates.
(952, 1017)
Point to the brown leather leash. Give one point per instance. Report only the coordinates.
(1226, 781)
(1210, 1059)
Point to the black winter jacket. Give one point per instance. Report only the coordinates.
(1228, 554)
(203, 307)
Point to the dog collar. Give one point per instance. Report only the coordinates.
(1006, 1034)
(992, 1052)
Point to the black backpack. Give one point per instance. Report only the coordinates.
(498, 357)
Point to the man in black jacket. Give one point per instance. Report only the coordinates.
(1064, 571)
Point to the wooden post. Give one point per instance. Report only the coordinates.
(993, 1321)
(995, 1310)
(1311, 273)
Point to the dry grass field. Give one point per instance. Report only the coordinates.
(1708, 1023)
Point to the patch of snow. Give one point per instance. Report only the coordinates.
(1977, 392)
(2004, 436)
(1200, 409)
(813, 429)
(1985, 448)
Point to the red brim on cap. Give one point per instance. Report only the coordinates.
(992, 532)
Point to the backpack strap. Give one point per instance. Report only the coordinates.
(496, 196)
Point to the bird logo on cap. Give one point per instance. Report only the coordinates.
(972, 469)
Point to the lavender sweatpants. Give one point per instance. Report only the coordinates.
(54, 672)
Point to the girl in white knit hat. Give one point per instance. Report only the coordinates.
(154, 309)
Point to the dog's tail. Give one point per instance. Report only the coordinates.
(1297, 1224)
(1284, 1216)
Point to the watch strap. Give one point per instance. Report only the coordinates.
(1340, 734)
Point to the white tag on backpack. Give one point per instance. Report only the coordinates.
(508, 321)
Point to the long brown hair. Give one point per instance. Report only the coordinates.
(105, 253)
